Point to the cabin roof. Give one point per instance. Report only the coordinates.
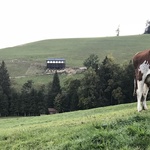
(55, 59)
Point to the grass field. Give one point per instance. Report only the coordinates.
(114, 127)
(30, 59)
(75, 51)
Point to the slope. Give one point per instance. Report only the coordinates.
(113, 127)
(21, 58)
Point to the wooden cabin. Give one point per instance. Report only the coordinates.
(56, 63)
(52, 111)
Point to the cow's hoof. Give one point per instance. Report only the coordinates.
(145, 108)
(139, 109)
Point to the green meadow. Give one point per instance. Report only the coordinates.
(76, 50)
(118, 127)
(28, 61)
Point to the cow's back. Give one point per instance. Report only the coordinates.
(140, 57)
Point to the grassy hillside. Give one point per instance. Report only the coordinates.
(113, 127)
(75, 51)
(29, 59)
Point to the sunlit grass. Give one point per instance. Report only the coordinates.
(98, 128)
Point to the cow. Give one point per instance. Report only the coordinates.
(141, 63)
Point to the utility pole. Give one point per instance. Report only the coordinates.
(118, 30)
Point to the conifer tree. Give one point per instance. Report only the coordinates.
(14, 103)
(3, 104)
(61, 102)
(42, 105)
(56, 84)
(73, 94)
(4, 80)
(54, 90)
(5, 88)
(127, 82)
(25, 97)
(33, 103)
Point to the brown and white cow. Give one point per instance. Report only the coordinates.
(141, 62)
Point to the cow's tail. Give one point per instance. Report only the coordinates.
(135, 87)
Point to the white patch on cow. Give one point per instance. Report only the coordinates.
(139, 95)
(144, 67)
(142, 90)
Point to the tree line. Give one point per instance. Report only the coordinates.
(102, 84)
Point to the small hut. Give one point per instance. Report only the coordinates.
(56, 63)
(52, 111)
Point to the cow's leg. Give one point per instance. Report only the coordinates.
(145, 92)
(139, 93)
(134, 92)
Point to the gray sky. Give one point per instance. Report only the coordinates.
(23, 21)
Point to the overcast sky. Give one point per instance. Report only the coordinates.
(23, 21)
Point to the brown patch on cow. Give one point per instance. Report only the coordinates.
(138, 75)
(140, 57)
